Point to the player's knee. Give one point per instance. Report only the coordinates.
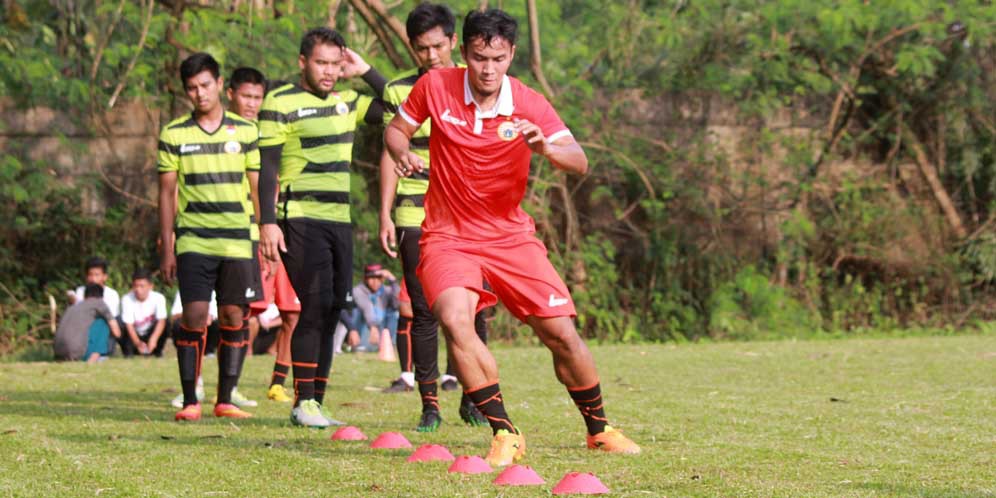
(456, 321)
(562, 340)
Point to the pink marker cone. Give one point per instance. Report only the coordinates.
(578, 483)
(468, 464)
(519, 475)
(431, 453)
(390, 441)
(349, 433)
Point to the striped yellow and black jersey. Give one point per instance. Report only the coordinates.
(317, 138)
(213, 214)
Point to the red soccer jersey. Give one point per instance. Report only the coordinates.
(480, 163)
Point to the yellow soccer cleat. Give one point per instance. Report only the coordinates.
(613, 441)
(278, 393)
(506, 449)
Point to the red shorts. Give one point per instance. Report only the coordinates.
(517, 268)
(276, 289)
(403, 295)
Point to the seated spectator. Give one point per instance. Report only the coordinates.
(96, 273)
(143, 312)
(83, 333)
(376, 301)
(263, 328)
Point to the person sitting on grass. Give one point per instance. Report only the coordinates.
(96, 273)
(143, 312)
(376, 307)
(83, 333)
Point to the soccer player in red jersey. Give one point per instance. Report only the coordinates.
(485, 128)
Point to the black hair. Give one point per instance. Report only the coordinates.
(426, 17)
(243, 75)
(322, 35)
(488, 25)
(93, 290)
(197, 63)
(95, 262)
(141, 274)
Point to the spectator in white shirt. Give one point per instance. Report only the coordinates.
(143, 312)
(96, 273)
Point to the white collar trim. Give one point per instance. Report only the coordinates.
(504, 106)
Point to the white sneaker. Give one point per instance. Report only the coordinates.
(178, 400)
(309, 414)
(328, 416)
(239, 400)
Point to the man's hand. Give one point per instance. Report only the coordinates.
(387, 237)
(167, 265)
(353, 65)
(143, 348)
(387, 275)
(408, 164)
(532, 135)
(271, 241)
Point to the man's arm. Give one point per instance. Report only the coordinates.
(133, 336)
(397, 142)
(388, 188)
(167, 217)
(564, 152)
(156, 332)
(271, 238)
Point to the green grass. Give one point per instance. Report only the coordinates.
(886, 417)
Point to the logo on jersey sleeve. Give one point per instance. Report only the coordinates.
(557, 301)
(507, 131)
(233, 147)
(450, 119)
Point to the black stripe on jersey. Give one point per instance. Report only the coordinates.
(407, 81)
(332, 167)
(293, 90)
(189, 123)
(318, 196)
(419, 143)
(214, 207)
(312, 142)
(203, 148)
(389, 107)
(214, 233)
(308, 113)
(214, 177)
(416, 200)
(420, 175)
(268, 115)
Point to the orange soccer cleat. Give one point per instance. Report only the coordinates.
(612, 441)
(506, 449)
(189, 413)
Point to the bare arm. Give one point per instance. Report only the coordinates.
(133, 336)
(564, 153)
(397, 142)
(388, 187)
(156, 332)
(167, 217)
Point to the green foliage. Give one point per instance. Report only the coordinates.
(750, 308)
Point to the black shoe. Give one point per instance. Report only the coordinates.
(398, 386)
(429, 422)
(471, 415)
(450, 385)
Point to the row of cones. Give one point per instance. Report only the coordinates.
(514, 475)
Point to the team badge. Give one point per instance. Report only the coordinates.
(341, 108)
(233, 147)
(230, 129)
(507, 131)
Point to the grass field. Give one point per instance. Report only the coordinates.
(890, 417)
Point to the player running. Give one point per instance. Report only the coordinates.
(204, 162)
(307, 133)
(432, 31)
(486, 126)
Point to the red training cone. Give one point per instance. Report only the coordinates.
(349, 433)
(385, 351)
(390, 441)
(518, 475)
(467, 464)
(578, 483)
(431, 453)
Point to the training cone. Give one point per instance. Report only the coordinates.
(580, 483)
(519, 475)
(349, 433)
(390, 441)
(468, 464)
(385, 351)
(431, 453)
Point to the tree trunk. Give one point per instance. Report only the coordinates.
(535, 57)
(929, 172)
(396, 26)
(382, 35)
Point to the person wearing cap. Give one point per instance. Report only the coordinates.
(376, 300)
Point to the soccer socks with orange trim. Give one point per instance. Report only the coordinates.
(320, 383)
(489, 401)
(429, 391)
(280, 371)
(304, 381)
(189, 352)
(326, 352)
(231, 353)
(589, 403)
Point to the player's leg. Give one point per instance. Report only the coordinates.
(238, 283)
(290, 311)
(196, 275)
(342, 279)
(406, 381)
